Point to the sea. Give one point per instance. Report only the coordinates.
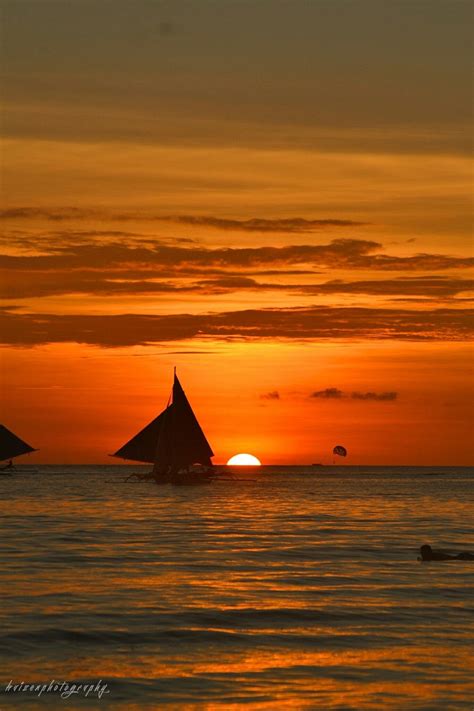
(276, 588)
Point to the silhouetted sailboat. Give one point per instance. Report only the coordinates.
(11, 446)
(173, 442)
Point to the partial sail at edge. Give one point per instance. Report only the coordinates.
(12, 446)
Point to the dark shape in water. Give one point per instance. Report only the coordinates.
(427, 554)
(173, 442)
(340, 450)
(12, 446)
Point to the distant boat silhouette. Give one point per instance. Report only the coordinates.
(174, 443)
(11, 446)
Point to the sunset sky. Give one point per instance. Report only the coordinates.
(273, 196)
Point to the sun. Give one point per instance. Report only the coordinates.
(244, 460)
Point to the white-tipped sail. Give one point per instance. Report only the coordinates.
(12, 446)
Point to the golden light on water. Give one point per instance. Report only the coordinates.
(244, 460)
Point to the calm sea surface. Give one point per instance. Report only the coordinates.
(299, 590)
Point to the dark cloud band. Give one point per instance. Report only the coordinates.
(256, 224)
(339, 253)
(314, 323)
(127, 281)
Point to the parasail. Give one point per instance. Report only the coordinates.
(340, 450)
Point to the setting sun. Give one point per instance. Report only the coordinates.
(244, 460)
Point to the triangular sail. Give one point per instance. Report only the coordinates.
(182, 441)
(171, 441)
(11, 445)
(142, 447)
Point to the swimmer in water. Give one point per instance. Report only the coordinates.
(427, 553)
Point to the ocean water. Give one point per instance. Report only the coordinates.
(298, 590)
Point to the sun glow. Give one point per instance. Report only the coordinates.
(244, 460)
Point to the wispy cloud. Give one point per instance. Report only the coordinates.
(431, 286)
(328, 394)
(336, 394)
(273, 395)
(381, 397)
(55, 214)
(255, 224)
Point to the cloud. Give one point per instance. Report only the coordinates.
(229, 283)
(143, 279)
(336, 394)
(309, 323)
(431, 286)
(388, 396)
(255, 224)
(292, 224)
(22, 285)
(341, 253)
(273, 395)
(328, 394)
(137, 278)
(55, 214)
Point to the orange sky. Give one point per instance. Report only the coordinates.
(279, 206)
